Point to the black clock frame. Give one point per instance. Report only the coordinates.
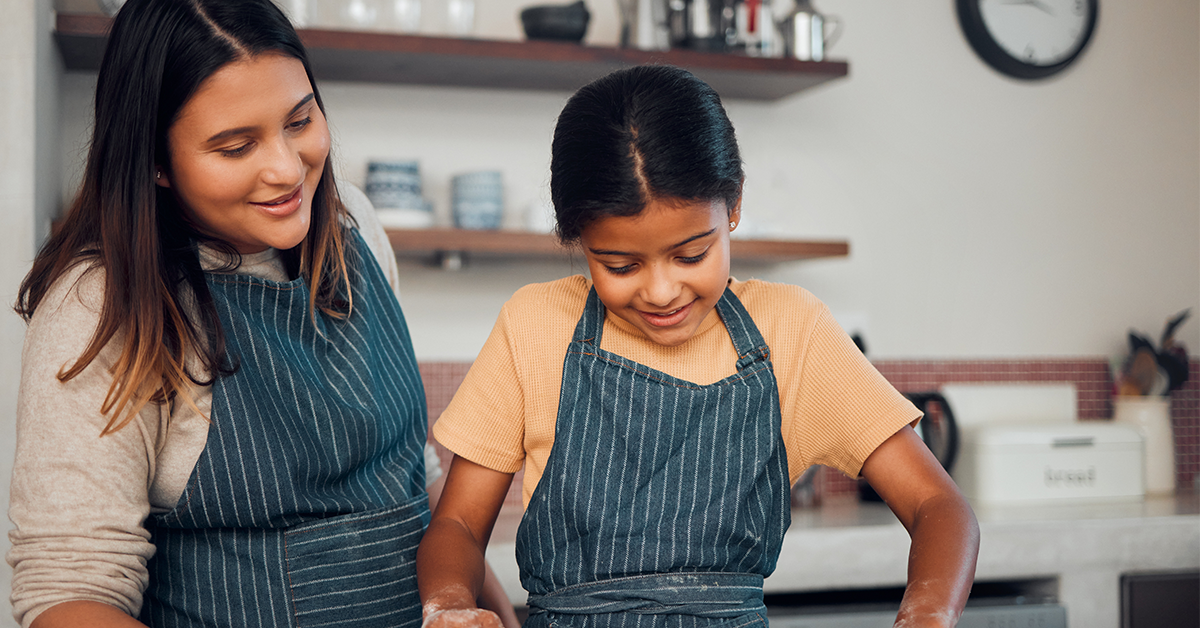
(971, 20)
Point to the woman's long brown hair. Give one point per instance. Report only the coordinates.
(156, 302)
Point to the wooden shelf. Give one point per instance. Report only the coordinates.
(443, 244)
(527, 65)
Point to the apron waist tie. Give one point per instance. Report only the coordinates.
(703, 594)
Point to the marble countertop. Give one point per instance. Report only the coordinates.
(1083, 548)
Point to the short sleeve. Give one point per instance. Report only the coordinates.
(844, 406)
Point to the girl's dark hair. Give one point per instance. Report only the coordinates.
(156, 300)
(640, 134)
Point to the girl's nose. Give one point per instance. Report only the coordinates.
(283, 166)
(660, 288)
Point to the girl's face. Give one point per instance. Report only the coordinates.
(247, 152)
(664, 269)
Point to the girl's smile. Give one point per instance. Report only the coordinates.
(664, 269)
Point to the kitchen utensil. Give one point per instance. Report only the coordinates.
(644, 24)
(460, 17)
(561, 22)
(805, 34)
(405, 15)
(702, 24)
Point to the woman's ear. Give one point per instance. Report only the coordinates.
(160, 178)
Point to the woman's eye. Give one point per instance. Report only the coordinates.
(237, 151)
(694, 260)
(620, 270)
(300, 124)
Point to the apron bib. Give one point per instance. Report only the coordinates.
(663, 502)
(306, 506)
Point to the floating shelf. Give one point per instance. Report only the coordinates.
(525, 65)
(447, 245)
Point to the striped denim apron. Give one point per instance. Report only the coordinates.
(308, 501)
(663, 502)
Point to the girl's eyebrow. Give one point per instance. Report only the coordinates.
(673, 246)
(244, 129)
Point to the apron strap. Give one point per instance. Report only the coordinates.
(703, 594)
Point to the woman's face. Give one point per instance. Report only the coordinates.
(247, 152)
(664, 269)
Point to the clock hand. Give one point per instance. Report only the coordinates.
(1033, 3)
(1043, 6)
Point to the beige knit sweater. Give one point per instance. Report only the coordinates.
(79, 501)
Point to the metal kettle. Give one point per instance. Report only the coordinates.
(804, 32)
(938, 429)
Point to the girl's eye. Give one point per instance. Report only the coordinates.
(694, 260)
(236, 152)
(620, 270)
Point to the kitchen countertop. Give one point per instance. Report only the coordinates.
(1084, 548)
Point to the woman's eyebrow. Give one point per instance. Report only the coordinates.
(243, 129)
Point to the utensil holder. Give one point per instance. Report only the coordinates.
(1151, 416)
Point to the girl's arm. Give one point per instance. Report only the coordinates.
(450, 560)
(492, 596)
(945, 535)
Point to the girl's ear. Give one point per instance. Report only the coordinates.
(735, 214)
(161, 180)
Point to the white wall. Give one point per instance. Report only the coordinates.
(28, 183)
(987, 217)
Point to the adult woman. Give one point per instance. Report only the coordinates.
(221, 421)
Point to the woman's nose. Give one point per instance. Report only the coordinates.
(284, 165)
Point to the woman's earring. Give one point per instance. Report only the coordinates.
(732, 226)
(158, 174)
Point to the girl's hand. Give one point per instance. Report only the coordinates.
(461, 618)
(945, 535)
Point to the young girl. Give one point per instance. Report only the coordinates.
(220, 421)
(663, 409)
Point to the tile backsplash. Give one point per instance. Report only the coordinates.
(1090, 376)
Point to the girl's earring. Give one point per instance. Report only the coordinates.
(732, 226)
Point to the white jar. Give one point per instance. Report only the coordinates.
(1151, 416)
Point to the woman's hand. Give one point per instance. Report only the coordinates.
(945, 535)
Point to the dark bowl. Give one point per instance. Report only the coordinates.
(562, 23)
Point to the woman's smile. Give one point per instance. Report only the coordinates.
(284, 205)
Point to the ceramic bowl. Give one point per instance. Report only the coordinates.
(556, 22)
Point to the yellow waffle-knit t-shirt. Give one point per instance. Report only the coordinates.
(836, 407)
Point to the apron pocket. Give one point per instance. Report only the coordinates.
(357, 570)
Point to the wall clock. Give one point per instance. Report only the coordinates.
(1028, 39)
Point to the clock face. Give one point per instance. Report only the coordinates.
(1028, 38)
